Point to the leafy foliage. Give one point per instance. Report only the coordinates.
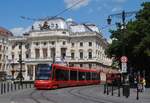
(134, 41)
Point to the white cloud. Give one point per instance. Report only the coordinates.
(18, 31)
(82, 3)
(116, 9)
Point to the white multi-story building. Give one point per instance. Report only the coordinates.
(77, 44)
(4, 35)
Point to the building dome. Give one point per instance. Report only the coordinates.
(5, 32)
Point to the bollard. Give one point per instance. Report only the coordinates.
(138, 83)
(7, 86)
(21, 86)
(112, 92)
(4, 88)
(26, 85)
(137, 89)
(1, 88)
(30, 85)
(11, 87)
(18, 86)
(15, 86)
(118, 90)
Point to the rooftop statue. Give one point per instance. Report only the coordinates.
(45, 26)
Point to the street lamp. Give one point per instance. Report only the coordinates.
(123, 16)
(53, 55)
(20, 62)
(13, 70)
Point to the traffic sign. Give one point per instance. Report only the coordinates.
(124, 67)
(124, 59)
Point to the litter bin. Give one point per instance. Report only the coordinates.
(126, 90)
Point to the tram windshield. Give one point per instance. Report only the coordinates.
(43, 72)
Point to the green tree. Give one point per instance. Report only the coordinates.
(134, 41)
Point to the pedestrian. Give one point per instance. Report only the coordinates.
(144, 84)
(135, 82)
(141, 84)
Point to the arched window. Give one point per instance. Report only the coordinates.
(81, 54)
(72, 54)
(81, 65)
(37, 53)
(90, 66)
(45, 53)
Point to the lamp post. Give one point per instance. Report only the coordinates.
(20, 62)
(13, 71)
(138, 79)
(122, 26)
(123, 16)
(53, 55)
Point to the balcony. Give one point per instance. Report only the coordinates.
(30, 60)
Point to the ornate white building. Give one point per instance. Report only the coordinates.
(4, 35)
(77, 44)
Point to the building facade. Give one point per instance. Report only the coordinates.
(4, 35)
(76, 44)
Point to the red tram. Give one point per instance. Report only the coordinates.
(113, 78)
(56, 76)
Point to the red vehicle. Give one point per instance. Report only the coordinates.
(113, 78)
(56, 76)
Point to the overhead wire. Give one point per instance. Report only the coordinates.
(75, 4)
(59, 13)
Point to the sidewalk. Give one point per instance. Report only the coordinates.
(144, 97)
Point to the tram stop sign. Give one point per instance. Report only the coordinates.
(124, 59)
(124, 67)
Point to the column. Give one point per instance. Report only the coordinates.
(41, 52)
(48, 52)
(34, 72)
(32, 53)
(68, 52)
(58, 50)
(26, 72)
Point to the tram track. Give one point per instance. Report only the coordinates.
(32, 97)
(78, 93)
(41, 94)
(97, 98)
(46, 96)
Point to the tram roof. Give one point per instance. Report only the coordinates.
(76, 68)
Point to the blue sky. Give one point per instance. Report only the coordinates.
(93, 11)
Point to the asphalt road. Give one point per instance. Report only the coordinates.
(83, 94)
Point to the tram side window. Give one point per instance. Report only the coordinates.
(82, 76)
(94, 76)
(53, 72)
(73, 75)
(62, 74)
(88, 76)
